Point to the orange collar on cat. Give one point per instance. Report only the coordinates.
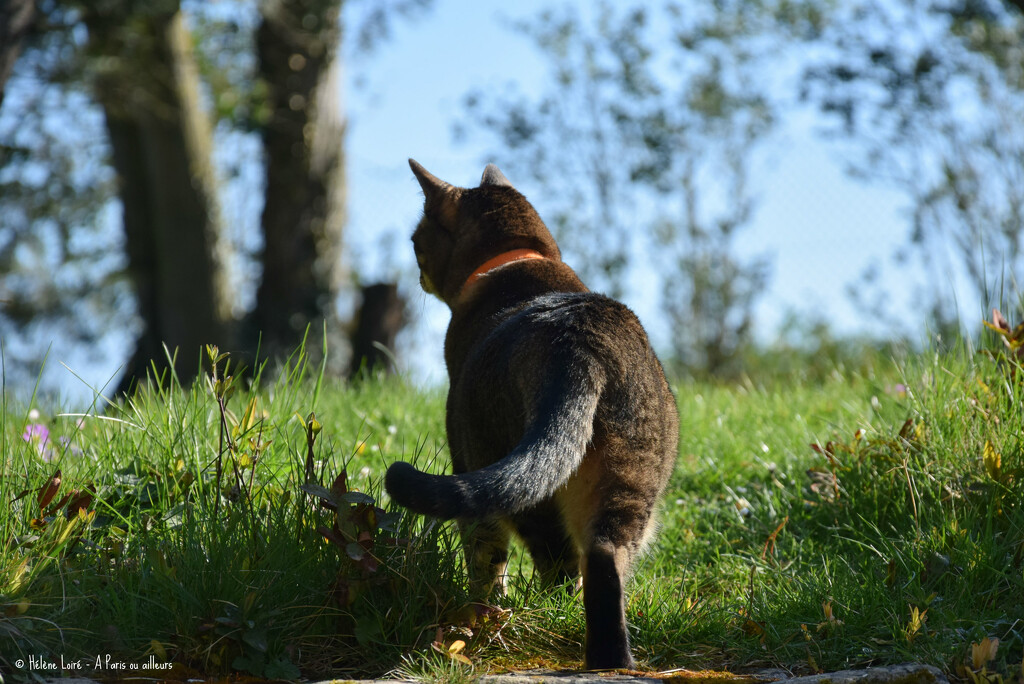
(501, 260)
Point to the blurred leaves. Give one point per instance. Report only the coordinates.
(63, 261)
(983, 652)
(927, 97)
(1013, 338)
(60, 259)
(224, 47)
(643, 153)
(373, 22)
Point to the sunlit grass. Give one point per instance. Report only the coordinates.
(868, 517)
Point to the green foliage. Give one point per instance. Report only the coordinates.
(887, 538)
(60, 265)
(180, 523)
(656, 114)
(223, 44)
(868, 515)
(89, 86)
(932, 95)
(809, 352)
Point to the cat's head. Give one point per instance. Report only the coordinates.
(462, 228)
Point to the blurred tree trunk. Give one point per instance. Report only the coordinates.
(381, 317)
(297, 45)
(147, 83)
(16, 20)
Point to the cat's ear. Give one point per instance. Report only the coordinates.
(441, 199)
(433, 187)
(494, 176)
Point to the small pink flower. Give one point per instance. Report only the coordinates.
(36, 433)
(899, 390)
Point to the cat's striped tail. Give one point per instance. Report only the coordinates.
(551, 450)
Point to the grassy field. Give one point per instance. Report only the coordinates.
(862, 518)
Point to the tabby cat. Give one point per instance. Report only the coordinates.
(561, 425)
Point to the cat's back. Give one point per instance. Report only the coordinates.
(583, 322)
(536, 350)
(553, 332)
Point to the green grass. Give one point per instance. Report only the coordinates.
(868, 517)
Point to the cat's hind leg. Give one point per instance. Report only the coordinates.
(606, 568)
(553, 552)
(485, 543)
(622, 523)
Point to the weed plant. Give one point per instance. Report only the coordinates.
(239, 525)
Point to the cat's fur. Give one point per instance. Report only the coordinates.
(561, 425)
